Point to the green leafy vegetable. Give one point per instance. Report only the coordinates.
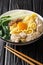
(4, 20)
(4, 29)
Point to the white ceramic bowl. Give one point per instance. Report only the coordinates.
(24, 12)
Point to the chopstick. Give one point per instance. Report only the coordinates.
(25, 56)
(24, 59)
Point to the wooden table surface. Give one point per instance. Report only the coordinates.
(34, 50)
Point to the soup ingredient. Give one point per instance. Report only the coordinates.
(35, 35)
(31, 17)
(38, 21)
(28, 38)
(4, 20)
(14, 21)
(22, 26)
(39, 25)
(13, 26)
(39, 28)
(15, 38)
(14, 31)
(4, 27)
(29, 31)
(11, 23)
(22, 34)
(32, 25)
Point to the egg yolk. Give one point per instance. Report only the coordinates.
(22, 26)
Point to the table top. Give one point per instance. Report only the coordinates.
(34, 50)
